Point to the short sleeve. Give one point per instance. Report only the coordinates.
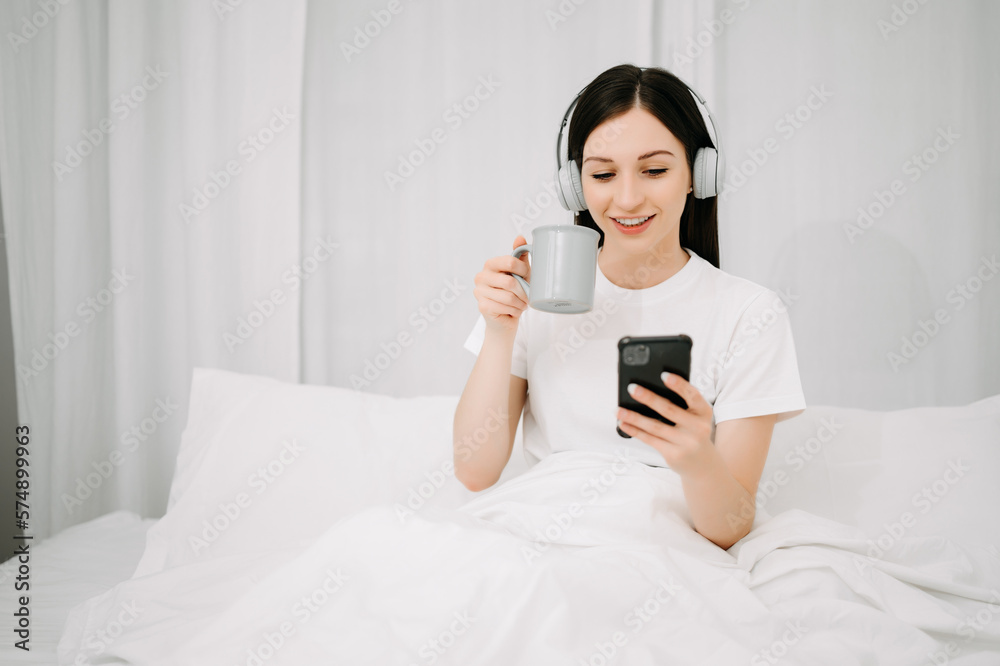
(761, 373)
(519, 357)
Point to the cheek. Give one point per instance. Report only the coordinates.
(596, 197)
(676, 188)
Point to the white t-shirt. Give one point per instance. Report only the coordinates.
(742, 357)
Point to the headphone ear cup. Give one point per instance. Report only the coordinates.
(706, 173)
(569, 187)
(580, 203)
(720, 172)
(562, 184)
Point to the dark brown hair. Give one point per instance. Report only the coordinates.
(662, 94)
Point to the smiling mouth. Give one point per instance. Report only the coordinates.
(633, 225)
(631, 221)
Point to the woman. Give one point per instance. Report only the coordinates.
(634, 135)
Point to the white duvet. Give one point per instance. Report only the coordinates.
(585, 559)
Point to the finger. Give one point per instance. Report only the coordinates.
(500, 307)
(648, 425)
(524, 258)
(501, 280)
(505, 289)
(692, 396)
(687, 418)
(510, 283)
(508, 264)
(494, 301)
(644, 436)
(660, 405)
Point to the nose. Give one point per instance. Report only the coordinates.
(628, 194)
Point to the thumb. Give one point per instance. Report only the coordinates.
(518, 242)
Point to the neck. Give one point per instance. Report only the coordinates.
(643, 270)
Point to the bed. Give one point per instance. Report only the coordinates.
(875, 541)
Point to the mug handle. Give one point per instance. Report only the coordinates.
(524, 283)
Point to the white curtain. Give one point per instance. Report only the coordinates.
(114, 114)
(346, 177)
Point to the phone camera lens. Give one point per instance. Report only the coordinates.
(636, 355)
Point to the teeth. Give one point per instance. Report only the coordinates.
(631, 222)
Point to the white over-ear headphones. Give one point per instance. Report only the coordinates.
(706, 177)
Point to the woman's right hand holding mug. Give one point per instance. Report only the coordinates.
(500, 296)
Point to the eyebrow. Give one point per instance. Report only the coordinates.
(639, 159)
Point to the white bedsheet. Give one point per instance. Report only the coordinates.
(583, 559)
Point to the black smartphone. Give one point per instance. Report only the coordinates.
(641, 360)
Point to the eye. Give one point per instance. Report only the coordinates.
(601, 176)
(656, 172)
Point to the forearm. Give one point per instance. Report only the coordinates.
(721, 508)
(481, 427)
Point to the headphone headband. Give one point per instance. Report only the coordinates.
(562, 127)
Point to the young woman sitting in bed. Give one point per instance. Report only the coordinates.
(634, 135)
(515, 575)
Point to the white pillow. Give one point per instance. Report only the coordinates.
(263, 456)
(871, 470)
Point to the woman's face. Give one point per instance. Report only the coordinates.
(635, 169)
